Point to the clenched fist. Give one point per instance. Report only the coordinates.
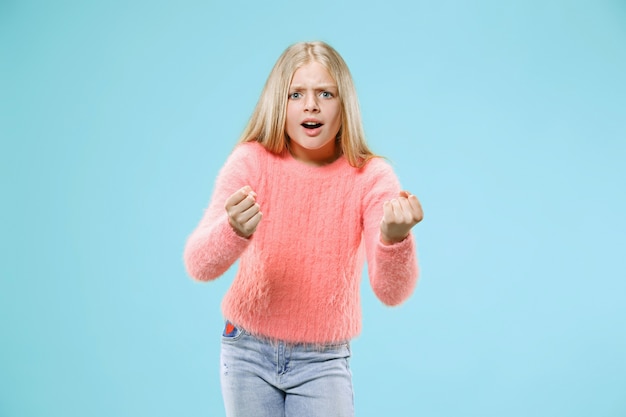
(244, 213)
(399, 216)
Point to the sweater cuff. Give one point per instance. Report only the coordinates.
(396, 271)
(407, 244)
(210, 253)
(232, 242)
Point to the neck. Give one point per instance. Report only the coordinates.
(318, 157)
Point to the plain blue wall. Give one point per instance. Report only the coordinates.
(507, 119)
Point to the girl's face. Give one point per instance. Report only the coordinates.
(313, 114)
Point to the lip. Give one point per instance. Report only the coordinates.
(312, 132)
(311, 120)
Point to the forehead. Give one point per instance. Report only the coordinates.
(312, 73)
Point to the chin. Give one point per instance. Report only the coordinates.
(312, 145)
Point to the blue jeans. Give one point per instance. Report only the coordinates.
(276, 379)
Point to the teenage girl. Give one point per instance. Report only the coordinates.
(302, 202)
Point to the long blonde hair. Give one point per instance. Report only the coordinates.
(267, 123)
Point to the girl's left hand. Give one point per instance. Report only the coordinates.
(399, 216)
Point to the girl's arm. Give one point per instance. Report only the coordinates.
(214, 245)
(392, 266)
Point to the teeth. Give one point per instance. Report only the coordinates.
(311, 124)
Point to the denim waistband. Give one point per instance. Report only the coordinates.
(233, 331)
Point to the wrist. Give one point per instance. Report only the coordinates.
(391, 241)
(237, 231)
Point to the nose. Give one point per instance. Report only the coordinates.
(310, 103)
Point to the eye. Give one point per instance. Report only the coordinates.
(295, 96)
(326, 94)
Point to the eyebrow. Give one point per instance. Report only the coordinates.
(317, 87)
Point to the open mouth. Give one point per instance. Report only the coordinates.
(311, 125)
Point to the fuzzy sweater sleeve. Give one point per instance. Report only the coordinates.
(393, 269)
(214, 246)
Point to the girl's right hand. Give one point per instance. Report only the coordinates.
(244, 213)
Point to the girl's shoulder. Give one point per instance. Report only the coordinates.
(249, 148)
(248, 152)
(377, 167)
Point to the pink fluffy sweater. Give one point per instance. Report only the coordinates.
(299, 273)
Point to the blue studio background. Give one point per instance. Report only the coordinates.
(507, 119)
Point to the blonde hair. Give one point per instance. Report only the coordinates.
(267, 123)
